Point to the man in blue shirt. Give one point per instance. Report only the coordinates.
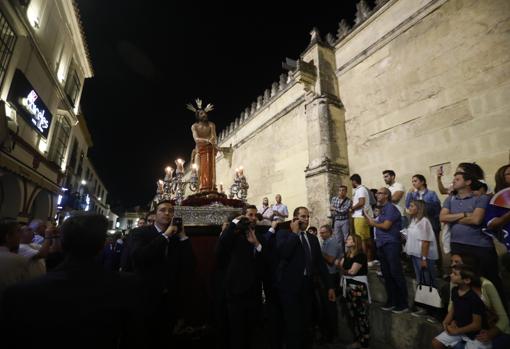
(387, 232)
(331, 251)
(465, 212)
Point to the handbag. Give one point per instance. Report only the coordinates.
(500, 247)
(427, 294)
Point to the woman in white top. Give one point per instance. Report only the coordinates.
(421, 244)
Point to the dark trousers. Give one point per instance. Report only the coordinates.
(243, 318)
(275, 319)
(159, 320)
(329, 318)
(489, 267)
(394, 280)
(297, 314)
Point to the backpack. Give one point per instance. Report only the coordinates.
(371, 198)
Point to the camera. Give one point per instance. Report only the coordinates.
(177, 221)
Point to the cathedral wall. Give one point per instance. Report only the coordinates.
(272, 147)
(426, 83)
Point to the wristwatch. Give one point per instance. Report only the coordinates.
(423, 258)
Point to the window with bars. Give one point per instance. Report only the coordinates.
(60, 140)
(73, 86)
(7, 41)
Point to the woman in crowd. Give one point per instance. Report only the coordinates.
(419, 191)
(355, 290)
(497, 217)
(421, 246)
(498, 331)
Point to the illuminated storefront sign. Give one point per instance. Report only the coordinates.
(29, 104)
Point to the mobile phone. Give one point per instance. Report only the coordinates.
(177, 221)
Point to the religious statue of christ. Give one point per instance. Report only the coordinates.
(204, 154)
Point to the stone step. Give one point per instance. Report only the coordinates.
(400, 331)
(388, 330)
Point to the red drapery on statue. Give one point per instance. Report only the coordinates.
(207, 166)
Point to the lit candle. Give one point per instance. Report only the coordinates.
(180, 165)
(169, 171)
(241, 171)
(237, 172)
(160, 186)
(194, 168)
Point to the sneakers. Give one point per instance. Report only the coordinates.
(373, 263)
(432, 320)
(419, 313)
(388, 307)
(400, 310)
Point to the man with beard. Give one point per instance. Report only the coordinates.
(266, 212)
(204, 134)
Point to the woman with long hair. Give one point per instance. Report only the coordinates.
(498, 218)
(420, 191)
(468, 167)
(355, 290)
(421, 246)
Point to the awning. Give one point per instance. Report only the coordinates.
(17, 167)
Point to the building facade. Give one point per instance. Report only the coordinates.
(412, 86)
(44, 140)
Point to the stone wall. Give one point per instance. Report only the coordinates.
(271, 145)
(426, 83)
(413, 85)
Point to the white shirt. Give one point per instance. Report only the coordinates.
(13, 268)
(360, 192)
(417, 232)
(37, 267)
(266, 212)
(309, 247)
(281, 209)
(162, 231)
(393, 189)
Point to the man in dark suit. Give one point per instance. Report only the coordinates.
(160, 252)
(78, 304)
(300, 266)
(239, 255)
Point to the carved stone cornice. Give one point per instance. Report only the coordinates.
(326, 166)
(306, 74)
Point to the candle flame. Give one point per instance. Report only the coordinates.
(168, 169)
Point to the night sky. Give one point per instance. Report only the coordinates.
(150, 58)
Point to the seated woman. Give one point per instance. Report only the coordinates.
(499, 327)
(355, 290)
